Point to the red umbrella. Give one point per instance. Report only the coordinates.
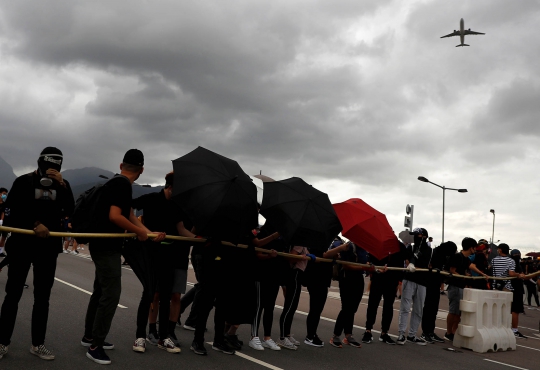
(367, 227)
(533, 254)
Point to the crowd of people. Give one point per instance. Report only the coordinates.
(43, 201)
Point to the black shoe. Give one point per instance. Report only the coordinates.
(198, 348)
(233, 342)
(88, 342)
(416, 340)
(98, 355)
(427, 338)
(367, 338)
(385, 338)
(518, 335)
(436, 338)
(401, 340)
(26, 286)
(442, 292)
(223, 347)
(315, 341)
(449, 337)
(2, 254)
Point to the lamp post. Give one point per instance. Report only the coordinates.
(444, 188)
(493, 230)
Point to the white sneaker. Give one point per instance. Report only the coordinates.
(139, 345)
(42, 352)
(286, 343)
(65, 251)
(255, 343)
(73, 252)
(293, 341)
(270, 344)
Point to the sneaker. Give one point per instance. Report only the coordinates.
(414, 339)
(233, 342)
(88, 342)
(42, 352)
(198, 348)
(518, 335)
(401, 340)
(139, 345)
(367, 338)
(98, 355)
(175, 340)
(315, 341)
(286, 343)
(255, 343)
(351, 342)
(436, 338)
(449, 337)
(270, 344)
(385, 338)
(336, 342)
(2, 254)
(168, 346)
(3, 350)
(293, 341)
(187, 327)
(26, 286)
(74, 252)
(65, 251)
(223, 347)
(152, 338)
(442, 292)
(427, 338)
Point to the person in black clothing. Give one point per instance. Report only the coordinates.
(439, 261)
(171, 261)
(351, 289)
(383, 285)
(116, 216)
(3, 235)
(38, 201)
(529, 267)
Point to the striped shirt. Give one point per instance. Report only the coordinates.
(501, 267)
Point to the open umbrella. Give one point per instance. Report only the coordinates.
(367, 227)
(533, 254)
(302, 214)
(218, 196)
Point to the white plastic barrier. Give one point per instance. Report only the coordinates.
(485, 321)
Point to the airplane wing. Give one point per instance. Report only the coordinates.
(455, 33)
(469, 32)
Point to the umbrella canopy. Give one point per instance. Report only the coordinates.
(302, 214)
(139, 258)
(218, 196)
(533, 254)
(367, 227)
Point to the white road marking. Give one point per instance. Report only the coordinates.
(252, 359)
(534, 349)
(81, 289)
(502, 363)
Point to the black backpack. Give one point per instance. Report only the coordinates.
(87, 213)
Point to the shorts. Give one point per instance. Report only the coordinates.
(455, 295)
(180, 281)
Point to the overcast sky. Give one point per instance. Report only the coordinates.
(357, 97)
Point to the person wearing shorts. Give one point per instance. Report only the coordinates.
(459, 264)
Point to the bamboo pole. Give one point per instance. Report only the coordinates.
(368, 267)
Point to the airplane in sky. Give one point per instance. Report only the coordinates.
(462, 32)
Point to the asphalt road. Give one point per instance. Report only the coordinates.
(68, 307)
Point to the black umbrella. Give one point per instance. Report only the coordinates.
(302, 214)
(139, 258)
(218, 196)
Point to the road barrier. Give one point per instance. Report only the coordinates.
(485, 321)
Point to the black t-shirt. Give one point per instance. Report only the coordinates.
(393, 260)
(317, 273)
(30, 202)
(420, 257)
(162, 215)
(116, 192)
(461, 263)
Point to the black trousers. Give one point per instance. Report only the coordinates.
(351, 290)
(106, 295)
(431, 307)
(531, 291)
(293, 289)
(318, 293)
(267, 293)
(381, 288)
(44, 270)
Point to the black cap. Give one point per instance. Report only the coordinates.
(51, 150)
(419, 231)
(134, 157)
(504, 248)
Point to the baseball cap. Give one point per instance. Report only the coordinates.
(515, 252)
(134, 157)
(419, 231)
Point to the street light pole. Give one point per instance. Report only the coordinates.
(493, 230)
(444, 188)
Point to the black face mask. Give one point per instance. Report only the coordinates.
(45, 162)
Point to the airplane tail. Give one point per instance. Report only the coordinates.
(457, 46)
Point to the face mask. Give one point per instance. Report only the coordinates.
(4, 197)
(45, 162)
